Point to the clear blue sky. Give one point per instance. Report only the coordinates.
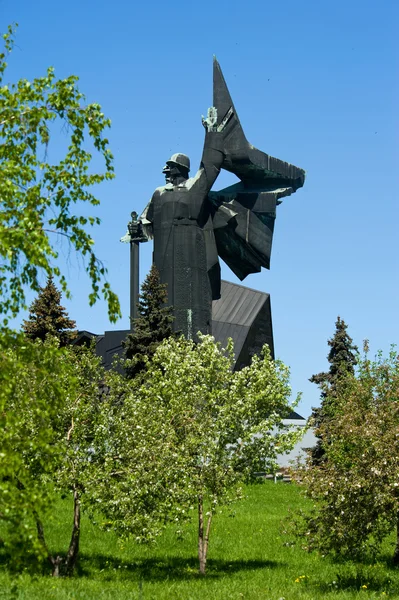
(314, 83)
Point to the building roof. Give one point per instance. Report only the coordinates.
(238, 305)
(235, 312)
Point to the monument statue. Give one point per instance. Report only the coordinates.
(193, 226)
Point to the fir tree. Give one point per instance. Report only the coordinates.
(47, 316)
(342, 358)
(152, 326)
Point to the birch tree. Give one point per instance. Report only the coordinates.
(42, 201)
(49, 401)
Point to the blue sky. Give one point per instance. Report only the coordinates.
(314, 83)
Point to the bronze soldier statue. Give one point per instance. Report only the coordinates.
(192, 226)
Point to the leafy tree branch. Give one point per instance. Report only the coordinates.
(38, 197)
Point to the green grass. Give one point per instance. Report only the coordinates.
(247, 559)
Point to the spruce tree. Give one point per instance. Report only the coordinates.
(47, 316)
(342, 358)
(152, 326)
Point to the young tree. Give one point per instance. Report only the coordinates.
(47, 316)
(79, 418)
(188, 433)
(153, 325)
(355, 491)
(342, 358)
(39, 198)
(49, 402)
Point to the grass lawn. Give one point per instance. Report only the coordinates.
(247, 559)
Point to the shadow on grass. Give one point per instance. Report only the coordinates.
(148, 569)
(380, 577)
(171, 568)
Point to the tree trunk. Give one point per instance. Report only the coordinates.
(203, 541)
(65, 566)
(396, 552)
(73, 550)
(56, 563)
(69, 562)
(42, 540)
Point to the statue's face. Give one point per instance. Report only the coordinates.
(171, 172)
(166, 172)
(174, 171)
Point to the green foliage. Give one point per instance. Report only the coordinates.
(48, 404)
(48, 317)
(153, 325)
(38, 197)
(355, 490)
(181, 436)
(342, 358)
(31, 396)
(187, 433)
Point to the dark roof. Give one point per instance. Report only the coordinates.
(294, 416)
(235, 312)
(238, 305)
(84, 338)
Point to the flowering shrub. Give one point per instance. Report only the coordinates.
(355, 488)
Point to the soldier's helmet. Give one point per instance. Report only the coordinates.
(179, 159)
